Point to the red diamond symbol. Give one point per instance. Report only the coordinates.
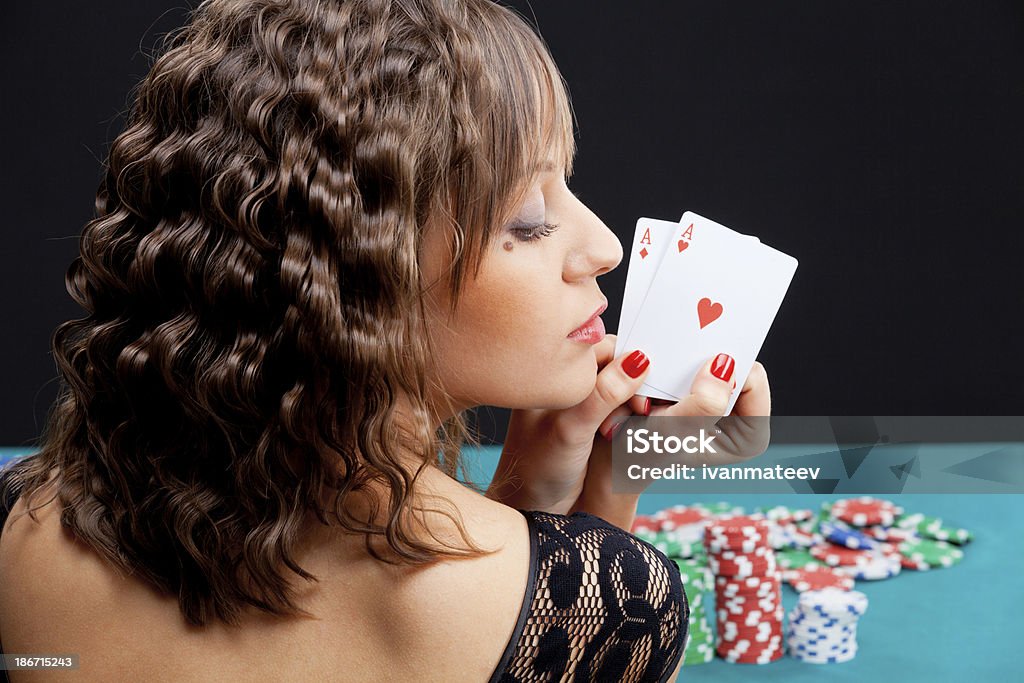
(643, 253)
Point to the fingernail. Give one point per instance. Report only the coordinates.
(610, 434)
(722, 366)
(635, 364)
(647, 406)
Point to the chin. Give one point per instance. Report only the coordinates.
(575, 387)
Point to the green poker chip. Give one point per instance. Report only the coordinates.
(934, 529)
(925, 554)
(697, 581)
(796, 558)
(672, 544)
(949, 534)
(700, 648)
(696, 578)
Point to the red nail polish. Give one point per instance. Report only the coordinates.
(723, 366)
(647, 406)
(611, 432)
(635, 364)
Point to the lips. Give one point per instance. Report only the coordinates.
(588, 326)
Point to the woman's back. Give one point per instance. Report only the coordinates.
(585, 612)
(448, 621)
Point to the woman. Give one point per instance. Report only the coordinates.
(331, 228)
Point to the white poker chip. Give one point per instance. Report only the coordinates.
(881, 566)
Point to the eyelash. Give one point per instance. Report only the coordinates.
(536, 232)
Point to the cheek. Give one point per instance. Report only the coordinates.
(507, 347)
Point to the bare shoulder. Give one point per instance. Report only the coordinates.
(58, 595)
(55, 592)
(474, 601)
(490, 525)
(36, 556)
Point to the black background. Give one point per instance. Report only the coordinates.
(879, 143)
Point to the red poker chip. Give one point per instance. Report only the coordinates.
(756, 554)
(765, 642)
(681, 515)
(889, 548)
(728, 594)
(733, 550)
(756, 537)
(741, 621)
(839, 556)
(741, 604)
(894, 534)
(865, 511)
(767, 657)
(645, 523)
(756, 634)
(761, 634)
(745, 566)
(816, 578)
(736, 539)
(746, 651)
(740, 570)
(750, 581)
(737, 591)
(910, 563)
(738, 525)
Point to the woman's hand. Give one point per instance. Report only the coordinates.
(544, 460)
(709, 396)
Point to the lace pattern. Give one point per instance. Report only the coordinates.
(601, 605)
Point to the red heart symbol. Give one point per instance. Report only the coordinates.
(708, 312)
(683, 244)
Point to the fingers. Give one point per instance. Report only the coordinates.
(755, 396)
(637, 405)
(709, 396)
(612, 423)
(710, 391)
(604, 350)
(640, 405)
(616, 384)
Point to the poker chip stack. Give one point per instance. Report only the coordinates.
(700, 643)
(823, 625)
(747, 589)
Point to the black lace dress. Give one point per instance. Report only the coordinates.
(600, 605)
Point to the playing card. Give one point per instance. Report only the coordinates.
(714, 294)
(650, 238)
(719, 225)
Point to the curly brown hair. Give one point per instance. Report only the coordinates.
(254, 300)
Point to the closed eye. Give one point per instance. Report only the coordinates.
(534, 233)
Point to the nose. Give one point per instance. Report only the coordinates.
(599, 249)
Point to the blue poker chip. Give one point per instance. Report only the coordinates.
(841, 534)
